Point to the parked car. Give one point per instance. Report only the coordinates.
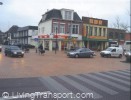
(81, 52)
(25, 46)
(112, 52)
(128, 56)
(0, 48)
(13, 51)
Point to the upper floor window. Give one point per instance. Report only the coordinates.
(90, 30)
(55, 27)
(95, 31)
(68, 15)
(73, 29)
(100, 31)
(104, 32)
(62, 28)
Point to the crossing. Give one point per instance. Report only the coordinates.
(103, 85)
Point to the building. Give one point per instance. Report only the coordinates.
(1, 37)
(116, 36)
(95, 33)
(9, 35)
(128, 37)
(60, 29)
(24, 34)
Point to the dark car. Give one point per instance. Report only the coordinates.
(13, 51)
(128, 56)
(82, 52)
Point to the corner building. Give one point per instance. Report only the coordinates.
(61, 29)
(95, 33)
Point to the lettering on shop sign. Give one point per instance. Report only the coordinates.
(95, 21)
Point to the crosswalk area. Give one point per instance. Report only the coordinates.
(111, 85)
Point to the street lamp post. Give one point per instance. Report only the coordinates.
(56, 40)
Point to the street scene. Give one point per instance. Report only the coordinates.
(65, 50)
(106, 78)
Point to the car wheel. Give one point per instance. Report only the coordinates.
(109, 55)
(22, 56)
(76, 56)
(91, 56)
(120, 55)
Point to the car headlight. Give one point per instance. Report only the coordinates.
(72, 53)
(15, 52)
(22, 52)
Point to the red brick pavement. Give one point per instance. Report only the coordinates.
(35, 65)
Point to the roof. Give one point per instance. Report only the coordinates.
(56, 14)
(116, 30)
(27, 28)
(13, 29)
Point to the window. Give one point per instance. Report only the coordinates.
(62, 28)
(68, 15)
(43, 29)
(55, 27)
(90, 30)
(95, 33)
(114, 50)
(104, 32)
(74, 29)
(99, 31)
(86, 30)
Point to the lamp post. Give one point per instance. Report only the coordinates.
(56, 40)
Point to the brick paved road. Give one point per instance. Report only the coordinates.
(51, 64)
(110, 85)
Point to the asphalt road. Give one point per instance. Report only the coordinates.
(110, 85)
(51, 64)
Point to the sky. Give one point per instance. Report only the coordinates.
(29, 12)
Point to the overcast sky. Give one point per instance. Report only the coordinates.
(28, 12)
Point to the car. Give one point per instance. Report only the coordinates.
(81, 52)
(0, 48)
(112, 52)
(13, 51)
(128, 56)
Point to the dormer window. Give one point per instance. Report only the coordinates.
(68, 15)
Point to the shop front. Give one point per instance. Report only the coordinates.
(95, 42)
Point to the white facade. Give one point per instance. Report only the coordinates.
(45, 28)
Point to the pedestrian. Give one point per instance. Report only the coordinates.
(41, 50)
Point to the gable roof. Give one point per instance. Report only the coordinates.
(27, 28)
(56, 14)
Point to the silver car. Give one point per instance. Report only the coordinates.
(128, 56)
(82, 52)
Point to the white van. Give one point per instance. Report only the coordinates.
(112, 52)
(127, 46)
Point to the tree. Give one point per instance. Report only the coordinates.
(120, 25)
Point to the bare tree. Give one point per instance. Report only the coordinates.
(120, 25)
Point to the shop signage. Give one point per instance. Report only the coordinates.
(97, 37)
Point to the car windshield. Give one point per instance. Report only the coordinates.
(108, 49)
(15, 48)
